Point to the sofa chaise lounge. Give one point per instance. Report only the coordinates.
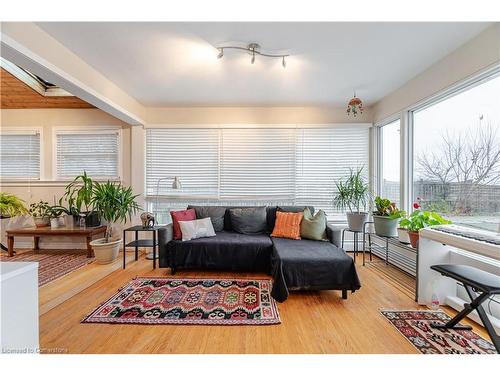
(293, 264)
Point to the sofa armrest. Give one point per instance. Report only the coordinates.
(165, 235)
(334, 234)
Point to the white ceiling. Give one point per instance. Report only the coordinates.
(168, 64)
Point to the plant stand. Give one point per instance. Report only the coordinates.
(153, 243)
(356, 248)
(369, 244)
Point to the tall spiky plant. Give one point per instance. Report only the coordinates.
(114, 202)
(11, 205)
(352, 193)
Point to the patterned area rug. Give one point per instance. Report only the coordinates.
(415, 326)
(189, 301)
(53, 264)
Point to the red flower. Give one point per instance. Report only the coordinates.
(416, 206)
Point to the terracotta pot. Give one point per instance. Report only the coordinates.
(413, 238)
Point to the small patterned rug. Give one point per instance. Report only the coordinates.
(415, 326)
(53, 264)
(159, 300)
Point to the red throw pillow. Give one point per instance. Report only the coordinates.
(184, 215)
(287, 225)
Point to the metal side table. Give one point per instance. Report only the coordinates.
(355, 234)
(137, 243)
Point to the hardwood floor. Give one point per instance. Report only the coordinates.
(312, 322)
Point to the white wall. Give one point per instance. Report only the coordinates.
(478, 54)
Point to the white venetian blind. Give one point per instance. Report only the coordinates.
(325, 155)
(20, 155)
(191, 154)
(257, 164)
(97, 153)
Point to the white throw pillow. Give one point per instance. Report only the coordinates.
(196, 229)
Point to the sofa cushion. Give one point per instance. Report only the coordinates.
(287, 225)
(183, 215)
(215, 213)
(196, 229)
(248, 220)
(313, 227)
(226, 251)
(271, 215)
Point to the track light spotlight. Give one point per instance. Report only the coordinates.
(283, 62)
(221, 53)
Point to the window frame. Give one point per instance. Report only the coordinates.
(24, 130)
(406, 117)
(78, 130)
(378, 154)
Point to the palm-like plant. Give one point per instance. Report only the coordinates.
(114, 203)
(352, 193)
(11, 205)
(78, 194)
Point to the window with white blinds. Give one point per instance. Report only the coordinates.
(252, 165)
(96, 152)
(191, 154)
(257, 164)
(326, 155)
(20, 155)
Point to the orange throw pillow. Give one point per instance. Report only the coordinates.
(287, 225)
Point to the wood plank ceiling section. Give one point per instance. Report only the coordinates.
(15, 94)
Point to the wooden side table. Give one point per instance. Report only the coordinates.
(136, 243)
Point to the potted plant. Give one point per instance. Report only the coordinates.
(55, 215)
(420, 219)
(352, 195)
(11, 205)
(386, 217)
(78, 195)
(40, 214)
(114, 203)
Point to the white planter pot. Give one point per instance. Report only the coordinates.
(385, 226)
(403, 236)
(69, 221)
(106, 252)
(57, 222)
(356, 220)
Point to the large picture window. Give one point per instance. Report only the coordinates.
(456, 155)
(251, 165)
(389, 169)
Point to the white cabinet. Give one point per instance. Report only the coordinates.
(19, 307)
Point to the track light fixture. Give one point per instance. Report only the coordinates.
(253, 49)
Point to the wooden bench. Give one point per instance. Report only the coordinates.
(36, 233)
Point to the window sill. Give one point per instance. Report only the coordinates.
(44, 183)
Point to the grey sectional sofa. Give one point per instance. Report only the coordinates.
(293, 264)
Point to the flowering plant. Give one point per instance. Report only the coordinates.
(420, 219)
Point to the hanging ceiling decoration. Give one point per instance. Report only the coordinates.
(355, 106)
(253, 49)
